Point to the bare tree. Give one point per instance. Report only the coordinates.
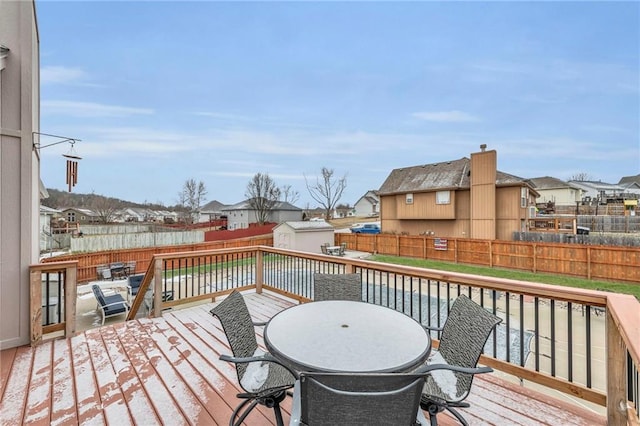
(263, 194)
(289, 195)
(191, 197)
(105, 208)
(327, 190)
(581, 177)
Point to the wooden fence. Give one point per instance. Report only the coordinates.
(608, 263)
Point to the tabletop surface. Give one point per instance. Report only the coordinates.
(346, 336)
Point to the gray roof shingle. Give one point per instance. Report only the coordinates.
(438, 176)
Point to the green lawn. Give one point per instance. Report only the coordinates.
(633, 289)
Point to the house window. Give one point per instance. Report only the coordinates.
(524, 196)
(71, 217)
(409, 199)
(443, 197)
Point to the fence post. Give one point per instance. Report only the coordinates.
(424, 247)
(490, 254)
(588, 262)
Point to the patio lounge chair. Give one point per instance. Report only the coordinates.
(450, 369)
(357, 399)
(109, 305)
(337, 287)
(264, 380)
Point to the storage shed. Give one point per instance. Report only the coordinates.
(303, 236)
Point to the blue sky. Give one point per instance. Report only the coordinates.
(160, 92)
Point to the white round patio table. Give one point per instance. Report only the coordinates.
(346, 336)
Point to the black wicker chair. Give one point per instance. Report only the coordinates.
(450, 369)
(337, 287)
(357, 399)
(264, 380)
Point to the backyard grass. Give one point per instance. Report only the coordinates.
(626, 288)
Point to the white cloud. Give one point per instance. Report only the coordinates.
(446, 116)
(90, 109)
(61, 75)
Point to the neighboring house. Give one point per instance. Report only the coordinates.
(20, 166)
(602, 191)
(460, 198)
(343, 211)
(46, 215)
(211, 211)
(303, 236)
(81, 216)
(130, 214)
(241, 215)
(368, 205)
(167, 216)
(556, 191)
(629, 180)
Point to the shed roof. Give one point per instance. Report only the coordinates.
(299, 225)
(439, 176)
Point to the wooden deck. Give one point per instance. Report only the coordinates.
(166, 371)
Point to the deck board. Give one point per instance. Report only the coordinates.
(167, 371)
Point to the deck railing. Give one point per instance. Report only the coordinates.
(53, 289)
(582, 342)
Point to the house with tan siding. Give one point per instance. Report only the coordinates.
(557, 191)
(19, 166)
(465, 198)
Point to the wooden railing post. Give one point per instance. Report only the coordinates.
(616, 379)
(157, 289)
(259, 271)
(70, 297)
(35, 309)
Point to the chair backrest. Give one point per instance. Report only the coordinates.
(323, 248)
(97, 292)
(238, 327)
(359, 399)
(343, 248)
(464, 335)
(134, 282)
(337, 287)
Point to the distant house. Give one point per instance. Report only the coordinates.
(47, 214)
(81, 216)
(368, 205)
(343, 211)
(242, 215)
(211, 211)
(556, 191)
(602, 191)
(303, 236)
(460, 198)
(626, 180)
(132, 214)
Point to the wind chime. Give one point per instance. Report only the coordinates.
(72, 167)
(71, 156)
